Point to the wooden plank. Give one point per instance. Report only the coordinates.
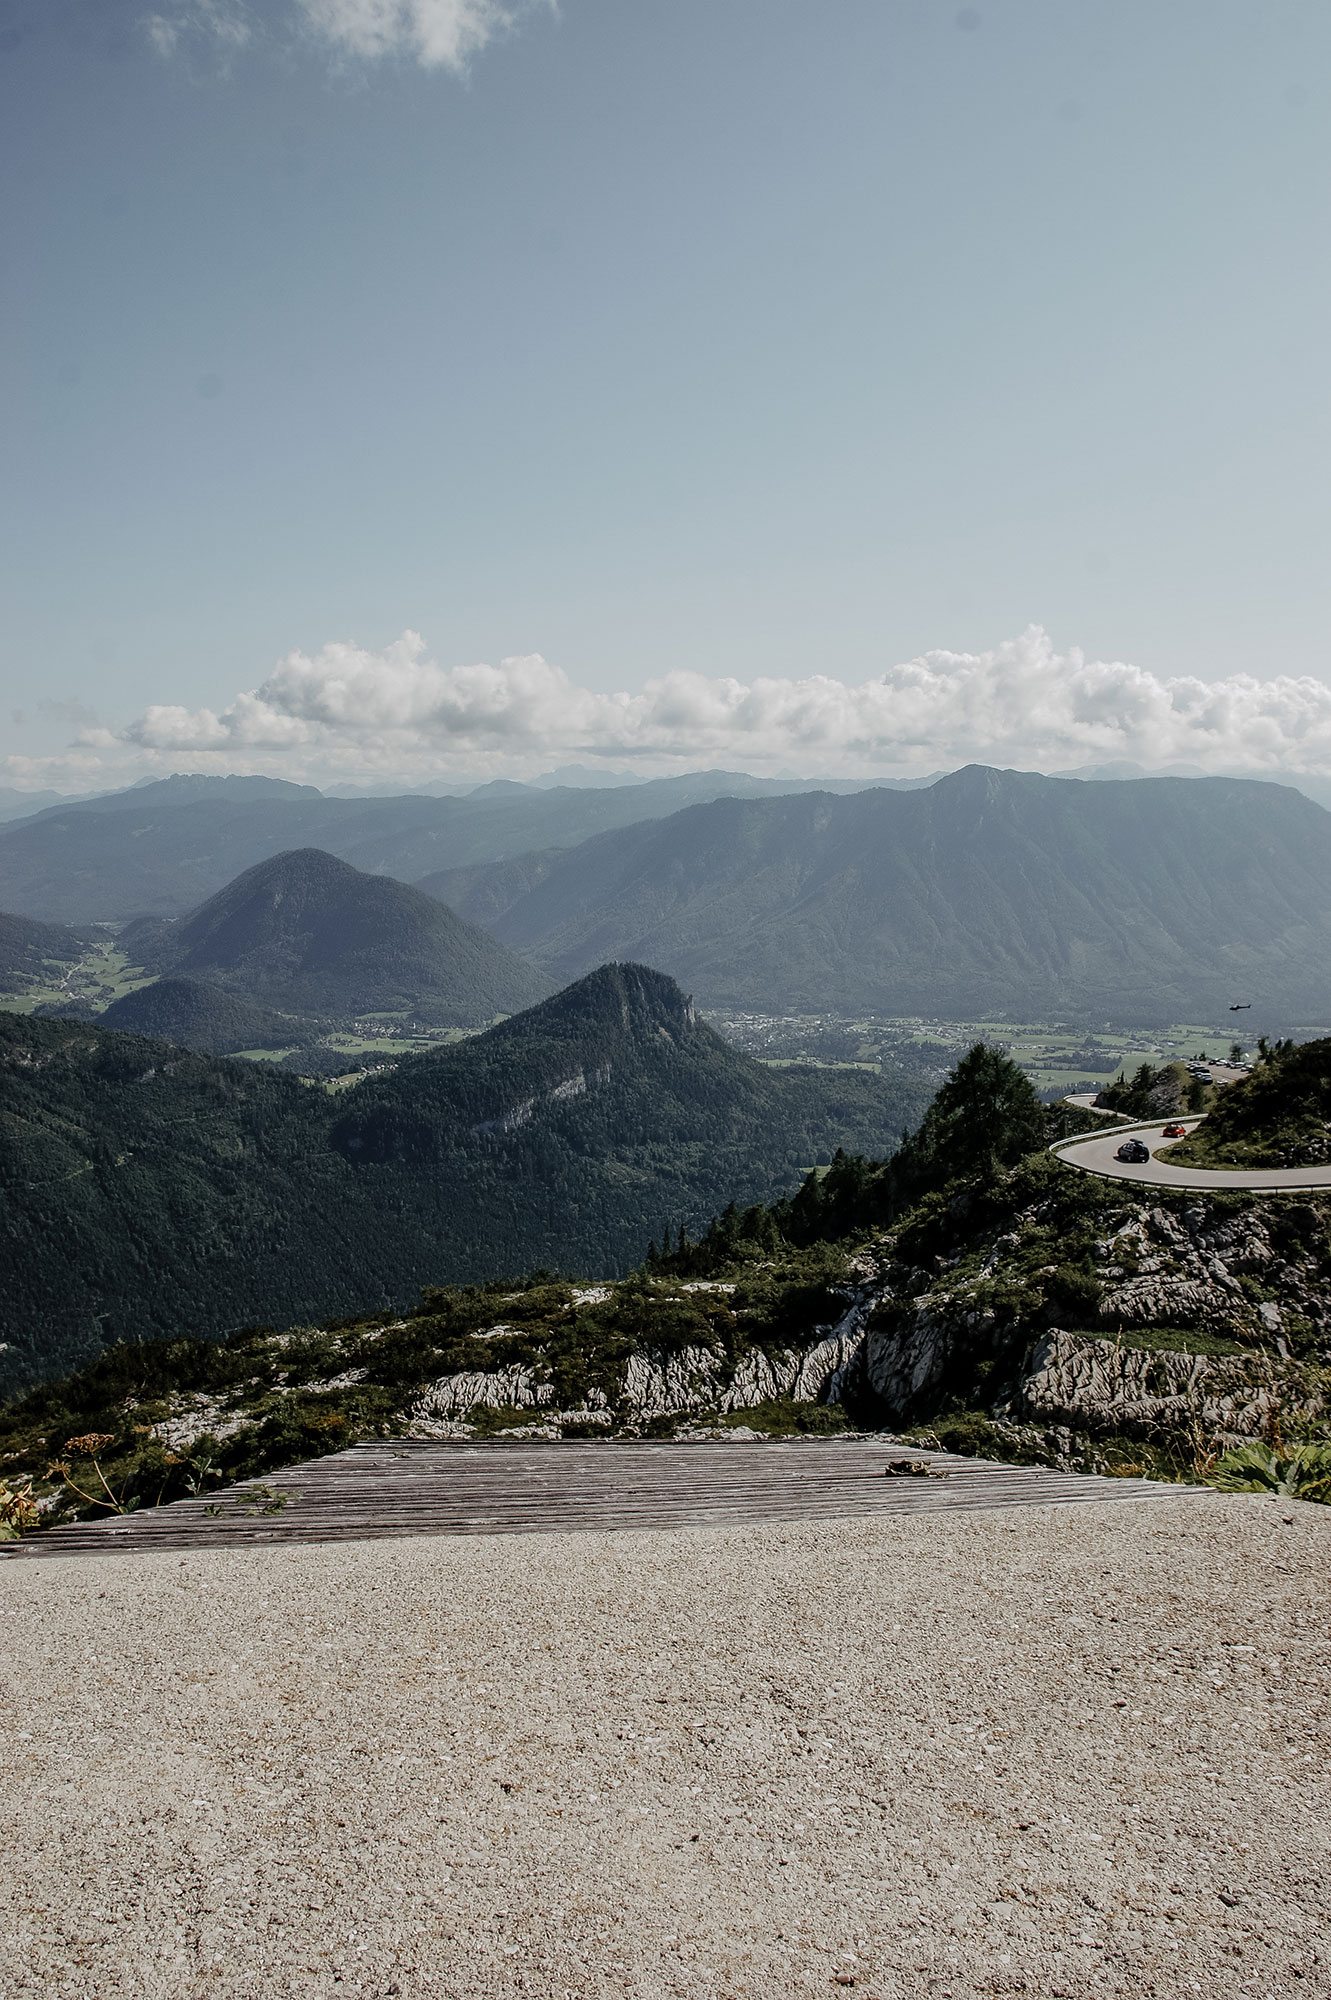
(412, 1486)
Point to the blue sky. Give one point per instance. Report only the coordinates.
(681, 346)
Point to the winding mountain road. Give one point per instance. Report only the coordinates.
(1094, 1153)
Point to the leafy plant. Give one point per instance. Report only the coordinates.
(263, 1499)
(1297, 1472)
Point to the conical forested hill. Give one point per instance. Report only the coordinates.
(616, 1072)
(309, 934)
(599, 1117)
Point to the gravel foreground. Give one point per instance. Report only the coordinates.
(1050, 1751)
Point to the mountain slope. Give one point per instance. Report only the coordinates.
(1280, 1116)
(309, 934)
(617, 1073)
(28, 950)
(990, 892)
(159, 849)
(600, 1117)
(148, 1191)
(206, 1018)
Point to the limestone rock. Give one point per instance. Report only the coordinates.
(1078, 1380)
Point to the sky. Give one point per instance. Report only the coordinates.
(412, 389)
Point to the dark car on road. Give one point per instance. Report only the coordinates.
(1133, 1151)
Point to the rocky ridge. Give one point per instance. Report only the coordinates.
(1181, 1353)
(1194, 1327)
(1037, 1315)
(692, 1385)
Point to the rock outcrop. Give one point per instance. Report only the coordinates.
(1103, 1385)
(978, 1331)
(973, 1332)
(692, 1382)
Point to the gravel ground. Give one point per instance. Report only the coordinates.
(1052, 1751)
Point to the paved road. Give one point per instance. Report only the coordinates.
(1094, 1154)
(1220, 1073)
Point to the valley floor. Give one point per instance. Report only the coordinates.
(1051, 1751)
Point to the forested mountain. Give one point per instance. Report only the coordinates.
(202, 1017)
(612, 1084)
(308, 934)
(29, 949)
(991, 892)
(150, 1191)
(159, 849)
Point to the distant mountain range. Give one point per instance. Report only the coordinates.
(147, 1190)
(159, 849)
(985, 893)
(990, 893)
(307, 934)
(21, 805)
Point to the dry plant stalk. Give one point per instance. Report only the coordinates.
(18, 1510)
(89, 1446)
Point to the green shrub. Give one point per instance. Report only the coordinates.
(1301, 1472)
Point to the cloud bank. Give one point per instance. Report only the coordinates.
(351, 712)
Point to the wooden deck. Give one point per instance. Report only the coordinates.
(404, 1486)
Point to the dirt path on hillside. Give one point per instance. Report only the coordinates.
(1052, 1752)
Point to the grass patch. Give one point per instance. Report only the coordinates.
(1166, 1339)
(780, 1417)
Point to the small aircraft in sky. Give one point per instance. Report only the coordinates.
(1237, 1006)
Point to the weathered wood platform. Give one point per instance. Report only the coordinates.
(410, 1487)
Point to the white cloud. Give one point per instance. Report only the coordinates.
(353, 712)
(223, 23)
(438, 34)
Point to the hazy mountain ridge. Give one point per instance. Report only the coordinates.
(988, 893)
(162, 848)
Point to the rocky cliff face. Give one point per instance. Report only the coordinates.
(1193, 1327)
(1184, 1329)
(693, 1385)
(1217, 1400)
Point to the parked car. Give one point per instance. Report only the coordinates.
(1133, 1151)
(1176, 1132)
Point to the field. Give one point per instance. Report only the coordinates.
(1057, 1057)
(102, 975)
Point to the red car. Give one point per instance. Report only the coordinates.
(1175, 1132)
